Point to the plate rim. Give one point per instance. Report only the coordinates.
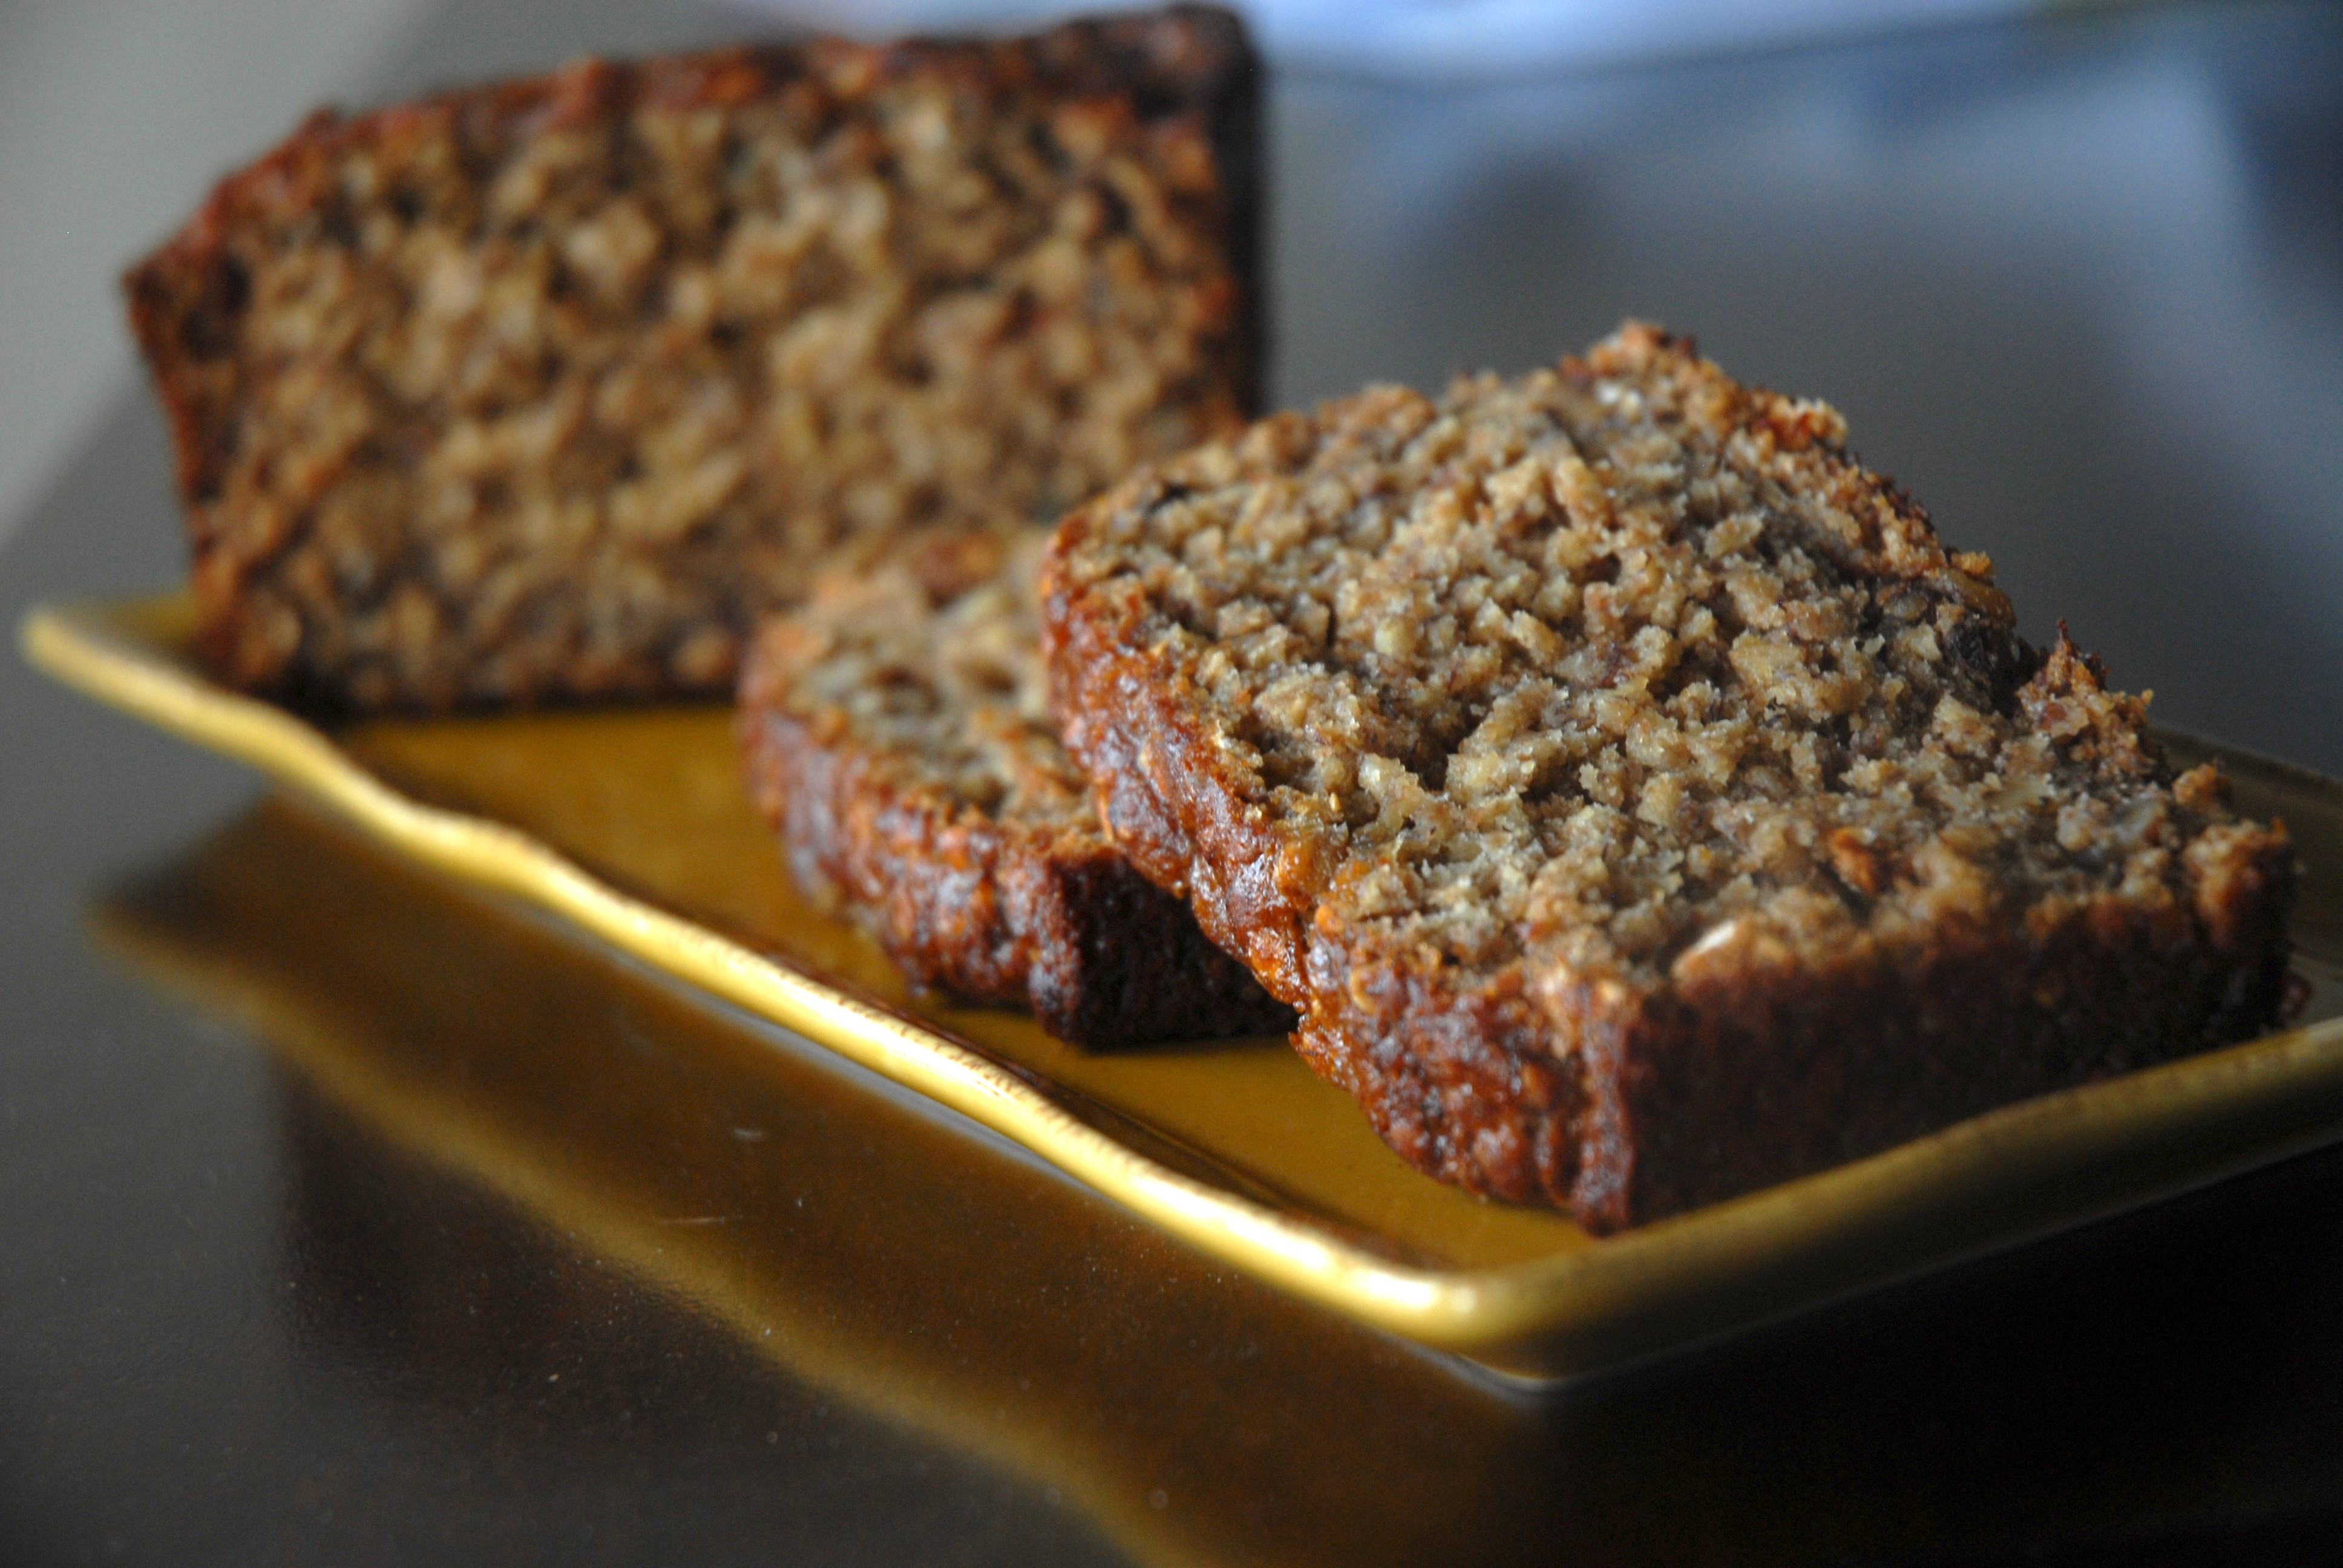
(1995, 1181)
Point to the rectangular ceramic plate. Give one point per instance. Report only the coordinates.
(631, 823)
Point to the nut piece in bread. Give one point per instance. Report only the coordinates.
(548, 389)
(903, 750)
(1637, 800)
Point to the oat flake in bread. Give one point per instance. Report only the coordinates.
(547, 389)
(903, 749)
(1637, 801)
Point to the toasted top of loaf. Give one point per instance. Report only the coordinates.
(1551, 718)
(548, 389)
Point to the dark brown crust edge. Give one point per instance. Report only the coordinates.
(186, 300)
(1826, 1066)
(1058, 923)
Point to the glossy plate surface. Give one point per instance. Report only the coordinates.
(632, 825)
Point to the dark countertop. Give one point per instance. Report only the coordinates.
(2079, 285)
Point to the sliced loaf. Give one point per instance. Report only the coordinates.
(902, 747)
(1638, 802)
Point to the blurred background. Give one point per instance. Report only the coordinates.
(2074, 276)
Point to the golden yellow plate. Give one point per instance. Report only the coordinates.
(888, 1260)
(631, 823)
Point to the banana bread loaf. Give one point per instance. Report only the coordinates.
(1639, 803)
(903, 749)
(548, 389)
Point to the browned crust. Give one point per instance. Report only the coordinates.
(1183, 66)
(1052, 920)
(1626, 1103)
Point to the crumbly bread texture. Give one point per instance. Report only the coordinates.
(1639, 803)
(903, 749)
(548, 389)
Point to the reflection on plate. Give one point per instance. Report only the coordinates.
(631, 824)
(877, 1256)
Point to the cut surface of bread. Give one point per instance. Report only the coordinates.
(1637, 800)
(903, 750)
(548, 389)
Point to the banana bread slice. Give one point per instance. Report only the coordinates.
(1638, 802)
(548, 389)
(902, 747)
